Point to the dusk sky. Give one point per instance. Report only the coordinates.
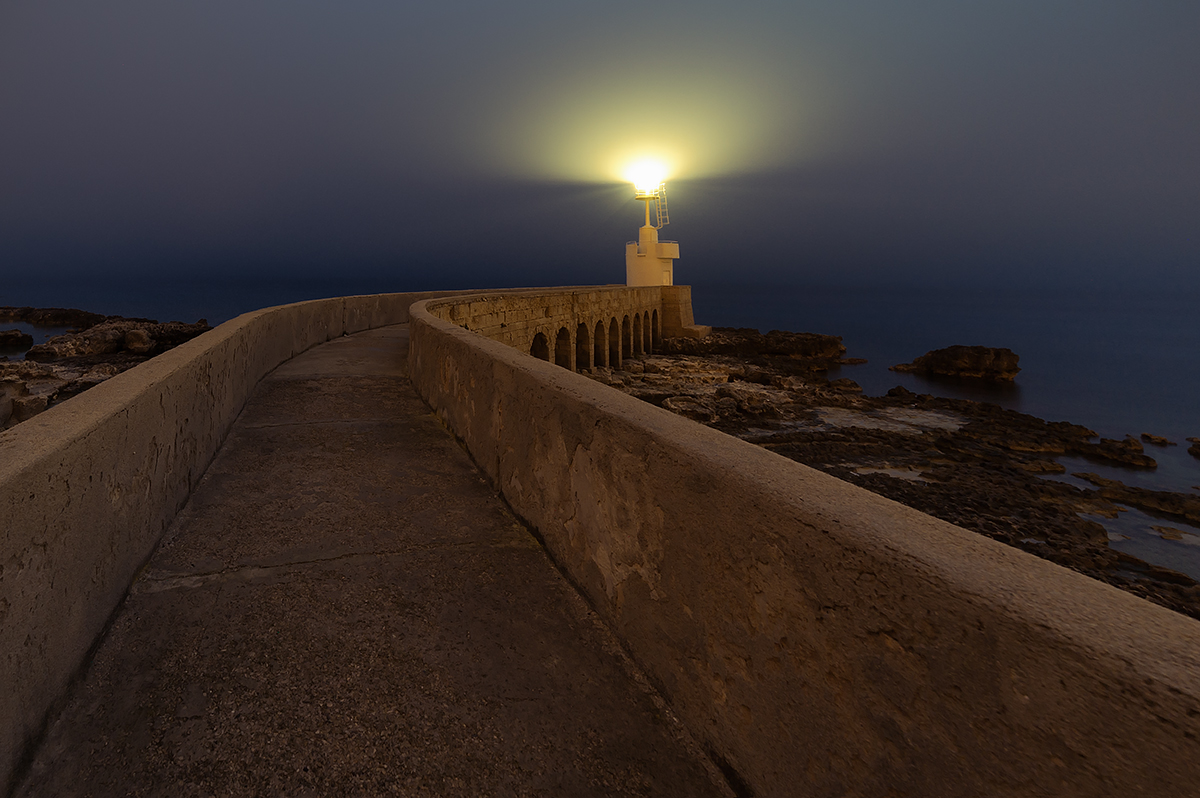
(474, 144)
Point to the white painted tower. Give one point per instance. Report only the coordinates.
(649, 261)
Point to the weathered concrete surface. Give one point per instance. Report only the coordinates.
(87, 488)
(826, 641)
(345, 607)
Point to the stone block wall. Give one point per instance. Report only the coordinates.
(577, 328)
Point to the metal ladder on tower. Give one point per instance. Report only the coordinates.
(660, 204)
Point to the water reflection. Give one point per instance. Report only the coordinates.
(1172, 543)
(40, 336)
(1169, 544)
(877, 381)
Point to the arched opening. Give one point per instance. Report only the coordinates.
(583, 349)
(647, 343)
(626, 338)
(562, 348)
(540, 348)
(599, 350)
(637, 333)
(614, 345)
(656, 333)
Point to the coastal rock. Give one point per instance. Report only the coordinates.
(1157, 440)
(10, 390)
(748, 342)
(15, 339)
(845, 385)
(138, 340)
(26, 407)
(1155, 502)
(752, 400)
(981, 362)
(1169, 532)
(137, 336)
(692, 407)
(751, 374)
(1128, 452)
(1194, 449)
(52, 317)
(102, 339)
(25, 390)
(67, 365)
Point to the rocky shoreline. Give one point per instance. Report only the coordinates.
(973, 464)
(95, 348)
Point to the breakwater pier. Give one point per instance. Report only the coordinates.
(372, 537)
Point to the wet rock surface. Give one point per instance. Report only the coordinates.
(66, 365)
(977, 362)
(973, 464)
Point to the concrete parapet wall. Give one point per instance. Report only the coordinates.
(822, 640)
(88, 487)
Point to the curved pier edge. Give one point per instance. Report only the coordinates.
(88, 487)
(821, 639)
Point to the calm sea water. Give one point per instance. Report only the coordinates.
(1118, 362)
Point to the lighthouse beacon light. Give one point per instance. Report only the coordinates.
(649, 261)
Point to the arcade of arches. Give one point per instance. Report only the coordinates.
(601, 344)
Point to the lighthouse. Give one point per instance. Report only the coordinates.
(649, 261)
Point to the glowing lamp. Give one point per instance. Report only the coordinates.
(649, 261)
(647, 178)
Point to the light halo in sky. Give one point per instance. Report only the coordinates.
(698, 120)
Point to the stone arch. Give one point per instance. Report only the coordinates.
(626, 338)
(562, 348)
(614, 345)
(583, 348)
(637, 333)
(647, 336)
(655, 330)
(540, 348)
(599, 348)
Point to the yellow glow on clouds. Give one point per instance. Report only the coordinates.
(695, 120)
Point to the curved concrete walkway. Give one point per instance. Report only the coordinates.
(344, 607)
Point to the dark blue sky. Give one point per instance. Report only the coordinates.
(470, 144)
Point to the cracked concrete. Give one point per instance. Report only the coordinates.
(345, 607)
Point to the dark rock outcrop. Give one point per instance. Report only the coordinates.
(112, 336)
(1128, 452)
(27, 388)
(68, 364)
(15, 339)
(1194, 449)
(980, 362)
(747, 342)
(1157, 440)
(1161, 503)
(52, 317)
